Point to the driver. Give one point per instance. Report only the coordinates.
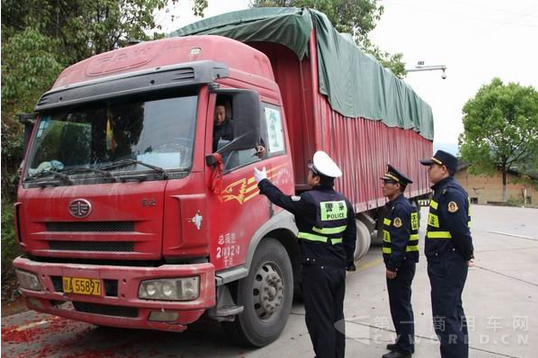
(223, 129)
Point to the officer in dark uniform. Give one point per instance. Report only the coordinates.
(400, 253)
(327, 235)
(449, 250)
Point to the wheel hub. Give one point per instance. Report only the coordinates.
(268, 291)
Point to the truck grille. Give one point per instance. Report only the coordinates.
(103, 246)
(108, 310)
(91, 226)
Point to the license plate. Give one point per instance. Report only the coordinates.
(82, 286)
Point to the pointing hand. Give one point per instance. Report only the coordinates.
(259, 175)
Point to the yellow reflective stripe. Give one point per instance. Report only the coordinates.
(434, 204)
(336, 241)
(388, 250)
(386, 236)
(414, 221)
(438, 235)
(311, 237)
(386, 221)
(433, 220)
(413, 237)
(469, 223)
(330, 230)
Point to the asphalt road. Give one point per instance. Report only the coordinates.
(500, 300)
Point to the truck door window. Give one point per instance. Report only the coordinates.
(223, 133)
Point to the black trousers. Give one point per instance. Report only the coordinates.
(324, 289)
(399, 290)
(447, 277)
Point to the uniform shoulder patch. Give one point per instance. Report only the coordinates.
(397, 222)
(452, 207)
(295, 198)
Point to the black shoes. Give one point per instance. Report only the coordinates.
(396, 354)
(392, 346)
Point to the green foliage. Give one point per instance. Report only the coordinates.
(12, 146)
(10, 248)
(198, 7)
(83, 28)
(29, 66)
(356, 17)
(501, 129)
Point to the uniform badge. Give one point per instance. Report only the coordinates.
(452, 207)
(398, 222)
(295, 198)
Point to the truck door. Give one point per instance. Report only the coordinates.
(236, 209)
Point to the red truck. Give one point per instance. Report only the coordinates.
(128, 218)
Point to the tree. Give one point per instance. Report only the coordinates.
(501, 130)
(356, 17)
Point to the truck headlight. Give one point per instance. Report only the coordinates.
(28, 280)
(170, 289)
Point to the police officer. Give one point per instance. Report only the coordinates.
(400, 253)
(449, 250)
(327, 234)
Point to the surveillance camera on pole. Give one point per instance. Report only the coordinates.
(422, 67)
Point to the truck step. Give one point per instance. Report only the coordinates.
(229, 310)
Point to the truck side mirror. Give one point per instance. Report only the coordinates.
(28, 119)
(246, 119)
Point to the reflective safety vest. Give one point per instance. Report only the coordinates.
(389, 230)
(331, 219)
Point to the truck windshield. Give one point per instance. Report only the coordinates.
(157, 132)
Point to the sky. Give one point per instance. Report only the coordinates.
(476, 39)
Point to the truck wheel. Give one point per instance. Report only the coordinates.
(266, 295)
(362, 245)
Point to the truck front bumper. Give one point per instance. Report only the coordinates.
(118, 305)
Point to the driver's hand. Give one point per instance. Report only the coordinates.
(260, 151)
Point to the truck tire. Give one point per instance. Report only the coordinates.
(362, 245)
(266, 295)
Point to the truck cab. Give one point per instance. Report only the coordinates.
(126, 215)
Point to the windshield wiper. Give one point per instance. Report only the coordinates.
(127, 162)
(92, 170)
(46, 172)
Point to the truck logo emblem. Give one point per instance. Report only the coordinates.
(197, 220)
(80, 208)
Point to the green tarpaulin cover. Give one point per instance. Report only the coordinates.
(355, 84)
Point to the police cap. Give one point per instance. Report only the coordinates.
(442, 158)
(323, 165)
(394, 175)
